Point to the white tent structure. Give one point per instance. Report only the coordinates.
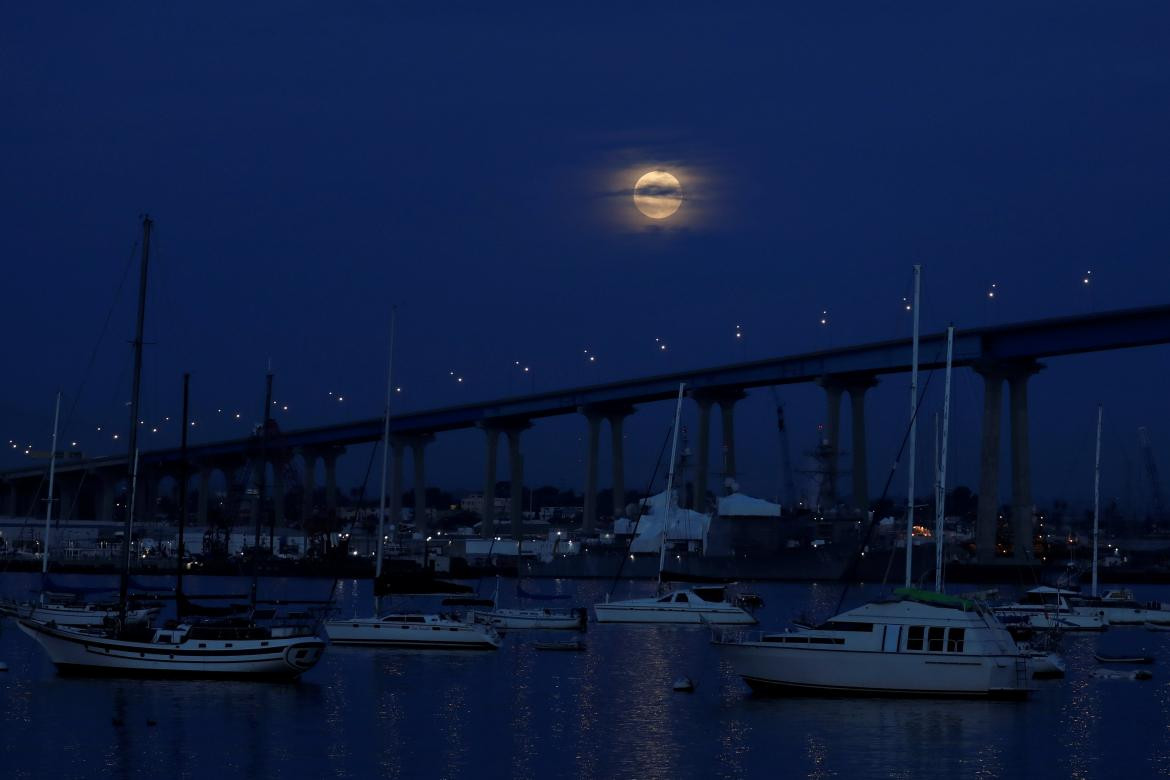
(741, 505)
(685, 525)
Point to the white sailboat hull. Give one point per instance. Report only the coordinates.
(445, 636)
(521, 619)
(650, 611)
(82, 653)
(807, 669)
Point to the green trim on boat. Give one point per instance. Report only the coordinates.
(931, 597)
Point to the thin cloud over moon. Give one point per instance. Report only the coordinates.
(658, 194)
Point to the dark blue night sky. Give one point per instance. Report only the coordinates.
(310, 163)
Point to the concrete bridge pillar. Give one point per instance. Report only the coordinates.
(987, 523)
(516, 464)
(987, 518)
(831, 439)
(418, 446)
(593, 418)
(857, 388)
(310, 482)
(617, 418)
(487, 527)
(204, 495)
(702, 466)
(278, 465)
(727, 399)
(257, 473)
(1022, 509)
(330, 458)
(107, 491)
(727, 410)
(397, 449)
(9, 492)
(68, 489)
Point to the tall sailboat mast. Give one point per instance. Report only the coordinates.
(49, 503)
(670, 482)
(913, 428)
(182, 499)
(1096, 498)
(135, 391)
(385, 449)
(940, 500)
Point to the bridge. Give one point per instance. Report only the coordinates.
(1005, 353)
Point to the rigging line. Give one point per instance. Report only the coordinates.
(642, 507)
(885, 491)
(101, 335)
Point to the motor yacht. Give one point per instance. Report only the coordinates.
(914, 643)
(1047, 609)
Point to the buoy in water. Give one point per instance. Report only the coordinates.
(684, 684)
(3, 667)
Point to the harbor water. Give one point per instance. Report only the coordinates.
(609, 711)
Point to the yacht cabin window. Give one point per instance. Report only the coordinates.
(914, 638)
(955, 637)
(681, 597)
(935, 639)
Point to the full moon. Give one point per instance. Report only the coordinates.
(658, 194)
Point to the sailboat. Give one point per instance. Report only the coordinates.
(912, 643)
(405, 629)
(1117, 606)
(569, 619)
(226, 649)
(690, 605)
(59, 605)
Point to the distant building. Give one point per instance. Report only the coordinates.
(551, 513)
(473, 502)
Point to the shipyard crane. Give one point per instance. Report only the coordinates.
(785, 461)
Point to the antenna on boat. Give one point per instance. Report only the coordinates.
(135, 392)
(940, 499)
(913, 426)
(1096, 497)
(670, 483)
(49, 502)
(386, 460)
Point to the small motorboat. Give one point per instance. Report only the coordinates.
(1124, 659)
(1045, 666)
(573, 645)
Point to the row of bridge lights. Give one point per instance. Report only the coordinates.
(590, 357)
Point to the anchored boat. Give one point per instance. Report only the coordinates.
(413, 630)
(915, 643)
(694, 605)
